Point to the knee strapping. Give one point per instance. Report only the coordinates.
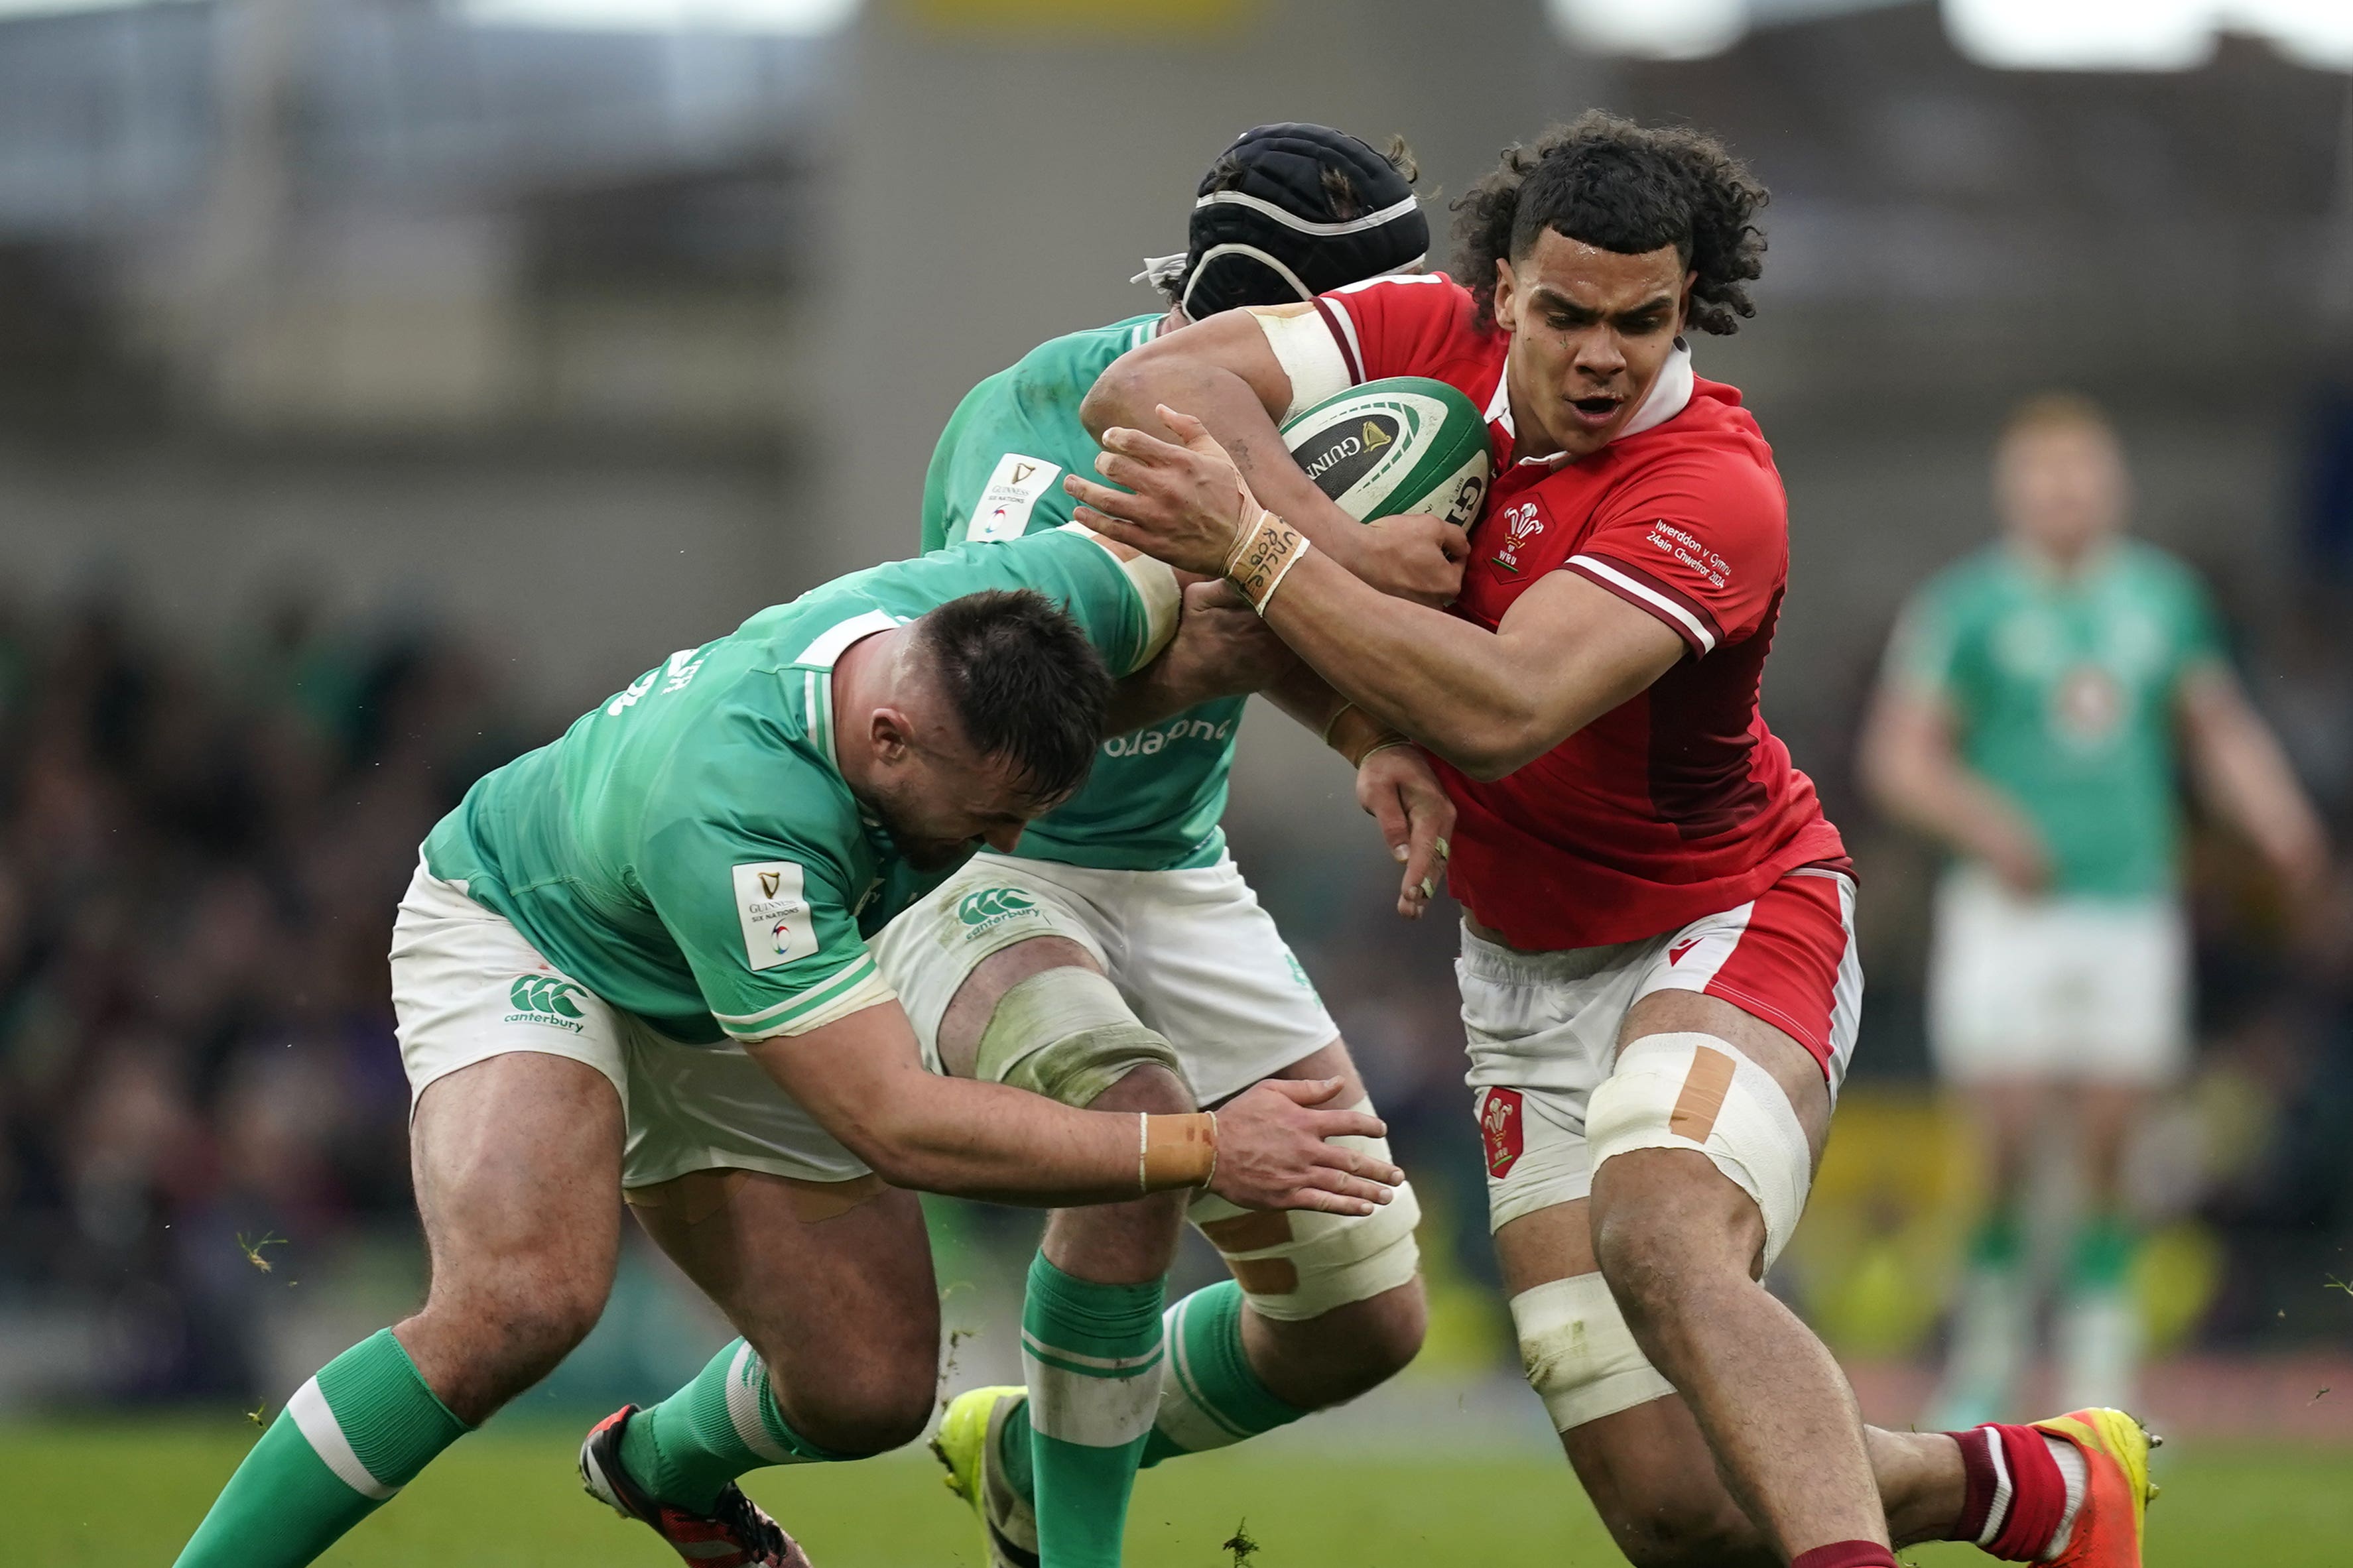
(1301, 1264)
(1696, 1091)
(1066, 1033)
(1578, 1355)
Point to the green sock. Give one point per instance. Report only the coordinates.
(1092, 1354)
(1212, 1397)
(1998, 1241)
(2103, 1259)
(346, 1441)
(687, 1449)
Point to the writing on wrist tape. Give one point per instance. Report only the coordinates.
(1175, 1151)
(1262, 557)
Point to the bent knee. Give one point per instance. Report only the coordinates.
(863, 1413)
(1147, 1087)
(1388, 1331)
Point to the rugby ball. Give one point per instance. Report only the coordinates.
(1406, 443)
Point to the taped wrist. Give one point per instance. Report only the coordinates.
(1175, 1151)
(1262, 557)
(1696, 1092)
(1066, 1033)
(1301, 1264)
(1578, 1355)
(1357, 734)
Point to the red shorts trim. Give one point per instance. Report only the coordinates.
(1787, 958)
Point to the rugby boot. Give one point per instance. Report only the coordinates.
(967, 1444)
(2106, 1529)
(735, 1533)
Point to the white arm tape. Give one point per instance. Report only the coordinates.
(1696, 1091)
(1579, 1355)
(1303, 346)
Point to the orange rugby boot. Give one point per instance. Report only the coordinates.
(2106, 1529)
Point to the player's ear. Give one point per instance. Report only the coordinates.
(1682, 306)
(1507, 293)
(892, 733)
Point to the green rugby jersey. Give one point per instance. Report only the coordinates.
(2063, 690)
(1154, 801)
(688, 851)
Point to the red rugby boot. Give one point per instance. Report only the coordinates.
(736, 1533)
(2106, 1529)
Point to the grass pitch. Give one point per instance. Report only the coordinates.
(117, 1493)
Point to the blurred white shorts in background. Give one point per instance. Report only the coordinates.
(2072, 987)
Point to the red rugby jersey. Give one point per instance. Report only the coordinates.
(1679, 803)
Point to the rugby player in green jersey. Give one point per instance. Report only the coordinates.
(1122, 916)
(2037, 695)
(633, 960)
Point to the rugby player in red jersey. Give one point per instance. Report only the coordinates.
(1658, 977)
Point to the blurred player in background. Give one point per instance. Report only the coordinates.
(1658, 972)
(1121, 918)
(2035, 700)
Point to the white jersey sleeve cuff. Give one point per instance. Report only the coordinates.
(1157, 597)
(1303, 346)
(852, 988)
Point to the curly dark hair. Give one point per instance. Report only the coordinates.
(1623, 187)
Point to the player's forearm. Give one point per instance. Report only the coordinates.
(1307, 697)
(1456, 689)
(1153, 693)
(2246, 780)
(1922, 786)
(1003, 1145)
(1131, 391)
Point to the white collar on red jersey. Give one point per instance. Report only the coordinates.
(1668, 395)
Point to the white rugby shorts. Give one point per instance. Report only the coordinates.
(1190, 951)
(1543, 1027)
(466, 985)
(2059, 987)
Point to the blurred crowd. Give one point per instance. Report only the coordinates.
(200, 854)
(201, 851)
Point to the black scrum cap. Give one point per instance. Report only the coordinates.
(1288, 211)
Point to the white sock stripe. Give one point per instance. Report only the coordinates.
(1090, 1411)
(747, 1388)
(2076, 1471)
(320, 1428)
(1032, 1344)
(1186, 1419)
(1998, 1512)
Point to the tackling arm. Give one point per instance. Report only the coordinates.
(2245, 778)
(862, 1077)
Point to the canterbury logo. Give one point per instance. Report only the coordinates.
(545, 993)
(990, 903)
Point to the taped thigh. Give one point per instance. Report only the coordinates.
(1696, 1092)
(1578, 1355)
(1301, 1264)
(1067, 1034)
